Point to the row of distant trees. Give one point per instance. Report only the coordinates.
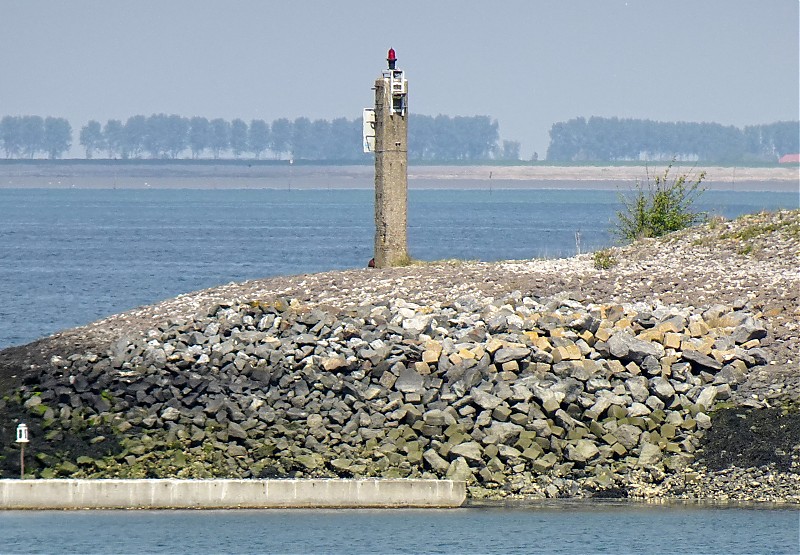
(435, 139)
(32, 136)
(172, 136)
(613, 139)
(162, 136)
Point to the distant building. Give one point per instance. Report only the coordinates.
(789, 159)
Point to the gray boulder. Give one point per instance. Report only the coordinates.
(747, 331)
(661, 387)
(470, 450)
(582, 451)
(485, 400)
(624, 346)
(409, 381)
(435, 461)
(507, 354)
(628, 436)
(701, 360)
(460, 471)
(438, 417)
(649, 455)
(504, 432)
(637, 386)
(707, 397)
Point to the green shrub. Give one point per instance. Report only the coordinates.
(603, 259)
(660, 206)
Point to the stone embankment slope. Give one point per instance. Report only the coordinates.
(670, 373)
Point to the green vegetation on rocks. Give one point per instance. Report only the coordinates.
(660, 206)
(604, 259)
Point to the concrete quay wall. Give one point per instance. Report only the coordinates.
(228, 494)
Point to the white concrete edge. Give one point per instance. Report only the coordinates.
(229, 494)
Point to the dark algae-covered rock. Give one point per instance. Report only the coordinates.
(747, 437)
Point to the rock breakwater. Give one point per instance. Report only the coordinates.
(527, 379)
(538, 397)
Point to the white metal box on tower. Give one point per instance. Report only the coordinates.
(368, 129)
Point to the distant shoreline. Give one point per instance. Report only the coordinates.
(243, 175)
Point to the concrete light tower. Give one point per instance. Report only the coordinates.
(390, 124)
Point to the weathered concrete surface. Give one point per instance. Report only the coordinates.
(228, 494)
(391, 180)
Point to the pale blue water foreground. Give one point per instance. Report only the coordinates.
(559, 528)
(71, 256)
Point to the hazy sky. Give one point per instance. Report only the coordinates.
(527, 63)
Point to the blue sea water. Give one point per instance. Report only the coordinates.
(557, 528)
(71, 256)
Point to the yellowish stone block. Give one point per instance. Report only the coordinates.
(623, 323)
(587, 336)
(466, 354)
(543, 344)
(603, 334)
(532, 335)
(433, 346)
(668, 327)
(510, 366)
(698, 329)
(672, 340)
(494, 344)
(615, 366)
(569, 352)
(651, 335)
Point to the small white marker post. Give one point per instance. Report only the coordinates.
(22, 439)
